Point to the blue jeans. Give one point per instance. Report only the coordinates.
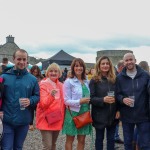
(14, 136)
(117, 132)
(136, 136)
(100, 137)
(143, 131)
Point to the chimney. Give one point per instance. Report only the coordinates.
(9, 39)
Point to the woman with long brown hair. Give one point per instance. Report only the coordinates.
(102, 88)
(76, 97)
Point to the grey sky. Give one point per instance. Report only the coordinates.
(80, 27)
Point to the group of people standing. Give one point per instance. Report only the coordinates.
(124, 97)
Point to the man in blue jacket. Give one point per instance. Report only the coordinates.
(18, 83)
(133, 82)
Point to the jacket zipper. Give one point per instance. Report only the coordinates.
(134, 97)
(109, 121)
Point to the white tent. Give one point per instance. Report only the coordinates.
(39, 65)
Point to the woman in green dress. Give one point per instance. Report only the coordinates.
(77, 97)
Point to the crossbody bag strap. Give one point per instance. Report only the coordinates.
(70, 111)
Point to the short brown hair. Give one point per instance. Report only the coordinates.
(20, 50)
(5, 60)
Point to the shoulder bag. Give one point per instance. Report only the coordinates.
(54, 116)
(81, 120)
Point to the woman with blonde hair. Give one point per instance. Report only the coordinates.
(102, 88)
(50, 109)
(76, 97)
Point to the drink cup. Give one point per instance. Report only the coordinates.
(110, 93)
(57, 94)
(132, 98)
(87, 95)
(21, 104)
(1, 115)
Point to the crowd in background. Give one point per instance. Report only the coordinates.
(112, 94)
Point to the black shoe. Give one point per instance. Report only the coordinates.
(119, 141)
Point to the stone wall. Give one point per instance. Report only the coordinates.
(114, 55)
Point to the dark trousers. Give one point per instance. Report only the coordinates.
(110, 132)
(14, 136)
(117, 132)
(143, 131)
(32, 109)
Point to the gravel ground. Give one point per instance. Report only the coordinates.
(33, 141)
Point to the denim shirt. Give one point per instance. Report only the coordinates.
(73, 93)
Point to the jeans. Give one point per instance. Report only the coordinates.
(14, 136)
(136, 136)
(117, 132)
(110, 132)
(143, 131)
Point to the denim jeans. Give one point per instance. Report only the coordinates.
(143, 131)
(117, 132)
(14, 136)
(136, 136)
(110, 132)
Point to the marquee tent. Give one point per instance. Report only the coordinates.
(61, 58)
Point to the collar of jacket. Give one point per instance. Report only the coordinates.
(139, 71)
(75, 79)
(17, 72)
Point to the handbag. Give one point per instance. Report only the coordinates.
(53, 117)
(81, 120)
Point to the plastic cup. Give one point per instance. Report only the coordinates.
(1, 115)
(87, 95)
(132, 98)
(110, 93)
(57, 94)
(21, 104)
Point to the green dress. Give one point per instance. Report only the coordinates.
(69, 126)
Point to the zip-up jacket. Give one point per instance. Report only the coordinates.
(149, 96)
(137, 87)
(103, 114)
(1, 91)
(48, 104)
(17, 84)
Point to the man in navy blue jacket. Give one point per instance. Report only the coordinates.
(132, 94)
(18, 83)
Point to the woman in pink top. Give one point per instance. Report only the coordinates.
(51, 99)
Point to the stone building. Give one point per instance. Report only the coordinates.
(114, 55)
(7, 50)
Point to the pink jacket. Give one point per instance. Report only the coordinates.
(47, 104)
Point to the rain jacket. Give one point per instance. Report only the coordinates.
(103, 114)
(48, 104)
(126, 86)
(1, 91)
(18, 83)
